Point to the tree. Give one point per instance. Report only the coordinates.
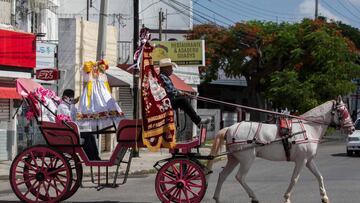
(297, 66)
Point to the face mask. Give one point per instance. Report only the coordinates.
(68, 100)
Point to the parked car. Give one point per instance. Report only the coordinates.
(353, 141)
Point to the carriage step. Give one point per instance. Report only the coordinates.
(120, 156)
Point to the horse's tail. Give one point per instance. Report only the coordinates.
(217, 143)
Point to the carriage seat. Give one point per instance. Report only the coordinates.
(129, 131)
(61, 134)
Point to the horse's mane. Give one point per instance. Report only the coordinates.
(319, 110)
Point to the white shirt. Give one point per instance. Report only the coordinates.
(67, 109)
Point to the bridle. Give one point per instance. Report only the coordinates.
(343, 116)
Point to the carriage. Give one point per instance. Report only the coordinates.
(54, 172)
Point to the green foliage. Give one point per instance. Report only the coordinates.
(297, 66)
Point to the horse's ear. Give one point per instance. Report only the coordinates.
(339, 99)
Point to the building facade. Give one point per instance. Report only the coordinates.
(23, 23)
(17, 60)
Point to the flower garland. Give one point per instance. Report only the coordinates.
(40, 94)
(60, 118)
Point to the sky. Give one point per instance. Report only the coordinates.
(226, 12)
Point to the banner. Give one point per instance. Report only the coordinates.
(158, 116)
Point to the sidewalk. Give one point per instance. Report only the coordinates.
(139, 166)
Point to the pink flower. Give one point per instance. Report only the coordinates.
(30, 115)
(62, 117)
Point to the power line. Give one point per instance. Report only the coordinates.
(241, 33)
(182, 12)
(199, 13)
(215, 12)
(238, 2)
(358, 10)
(231, 7)
(341, 3)
(338, 12)
(246, 7)
(149, 6)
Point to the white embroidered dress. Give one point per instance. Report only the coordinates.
(97, 107)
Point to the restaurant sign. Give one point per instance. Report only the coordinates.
(188, 52)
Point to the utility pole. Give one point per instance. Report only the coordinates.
(161, 20)
(101, 45)
(87, 9)
(316, 8)
(88, 6)
(136, 69)
(136, 24)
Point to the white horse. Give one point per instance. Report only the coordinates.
(247, 140)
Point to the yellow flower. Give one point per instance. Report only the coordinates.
(88, 66)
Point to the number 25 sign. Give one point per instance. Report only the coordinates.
(47, 74)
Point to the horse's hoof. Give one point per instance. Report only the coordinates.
(325, 200)
(254, 201)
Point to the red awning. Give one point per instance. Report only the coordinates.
(17, 49)
(180, 84)
(9, 93)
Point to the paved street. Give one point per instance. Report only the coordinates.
(268, 179)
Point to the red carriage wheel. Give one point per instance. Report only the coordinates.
(39, 174)
(180, 180)
(77, 174)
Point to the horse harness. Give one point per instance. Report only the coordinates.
(284, 134)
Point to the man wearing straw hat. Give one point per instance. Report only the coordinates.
(177, 97)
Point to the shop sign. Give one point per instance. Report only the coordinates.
(45, 55)
(47, 74)
(188, 52)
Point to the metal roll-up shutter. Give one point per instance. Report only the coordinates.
(3, 145)
(126, 101)
(4, 109)
(4, 117)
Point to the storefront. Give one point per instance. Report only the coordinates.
(17, 60)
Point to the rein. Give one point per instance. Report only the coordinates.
(254, 109)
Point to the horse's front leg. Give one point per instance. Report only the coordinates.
(314, 170)
(245, 164)
(295, 177)
(231, 163)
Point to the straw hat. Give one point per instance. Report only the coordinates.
(165, 62)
